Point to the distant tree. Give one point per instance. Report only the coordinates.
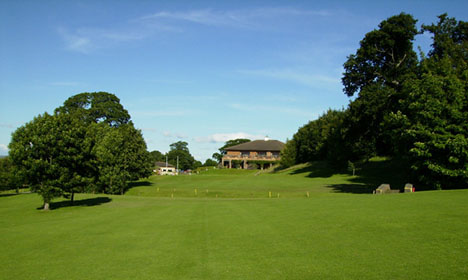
(288, 154)
(210, 162)
(157, 156)
(8, 175)
(180, 151)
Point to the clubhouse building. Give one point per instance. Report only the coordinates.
(255, 154)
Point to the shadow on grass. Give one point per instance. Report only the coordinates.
(317, 169)
(369, 175)
(8, 194)
(138, 184)
(352, 188)
(83, 202)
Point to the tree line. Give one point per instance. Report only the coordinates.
(407, 106)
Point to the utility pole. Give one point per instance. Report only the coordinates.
(177, 164)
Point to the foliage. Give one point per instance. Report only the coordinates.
(180, 154)
(121, 157)
(319, 139)
(385, 56)
(51, 153)
(8, 175)
(96, 107)
(288, 154)
(415, 110)
(210, 162)
(75, 149)
(156, 156)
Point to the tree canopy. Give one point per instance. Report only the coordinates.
(89, 144)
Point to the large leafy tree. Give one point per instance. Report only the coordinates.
(376, 72)
(96, 107)
(121, 157)
(51, 153)
(432, 127)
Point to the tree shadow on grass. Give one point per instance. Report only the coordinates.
(352, 188)
(317, 169)
(369, 175)
(8, 194)
(83, 202)
(138, 184)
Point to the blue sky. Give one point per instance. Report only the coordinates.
(202, 72)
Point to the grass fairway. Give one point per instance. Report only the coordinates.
(327, 236)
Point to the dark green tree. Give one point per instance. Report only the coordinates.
(122, 157)
(96, 107)
(314, 140)
(384, 60)
(180, 152)
(157, 156)
(8, 175)
(288, 154)
(210, 162)
(431, 129)
(51, 154)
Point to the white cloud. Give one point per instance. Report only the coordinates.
(3, 148)
(223, 137)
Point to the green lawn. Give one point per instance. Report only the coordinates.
(332, 236)
(336, 233)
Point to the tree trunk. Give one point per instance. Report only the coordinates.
(72, 197)
(46, 206)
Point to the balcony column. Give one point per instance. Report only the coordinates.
(230, 164)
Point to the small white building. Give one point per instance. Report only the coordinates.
(163, 168)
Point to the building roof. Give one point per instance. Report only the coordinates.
(163, 164)
(259, 145)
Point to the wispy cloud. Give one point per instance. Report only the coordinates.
(7, 125)
(223, 137)
(3, 148)
(232, 18)
(311, 80)
(177, 135)
(87, 40)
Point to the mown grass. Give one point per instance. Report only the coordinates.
(298, 181)
(327, 236)
(235, 231)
